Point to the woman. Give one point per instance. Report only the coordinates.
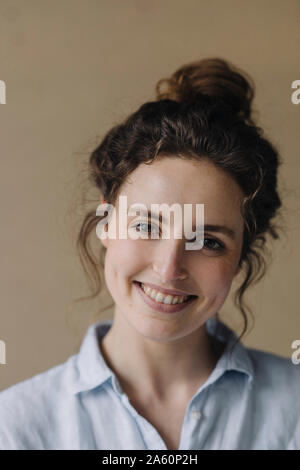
(166, 373)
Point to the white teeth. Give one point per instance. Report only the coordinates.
(168, 299)
(160, 297)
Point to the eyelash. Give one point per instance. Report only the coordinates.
(221, 247)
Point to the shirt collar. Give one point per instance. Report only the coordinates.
(236, 359)
(92, 370)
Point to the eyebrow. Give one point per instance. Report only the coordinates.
(229, 232)
(221, 229)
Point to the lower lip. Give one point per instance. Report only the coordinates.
(161, 307)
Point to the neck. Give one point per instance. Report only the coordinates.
(161, 370)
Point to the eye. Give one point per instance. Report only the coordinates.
(145, 224)
(213, 245)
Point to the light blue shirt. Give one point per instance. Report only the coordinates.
(251, 400)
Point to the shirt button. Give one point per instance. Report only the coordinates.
(196, 414)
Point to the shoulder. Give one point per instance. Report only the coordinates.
(28, 407)
(271, 369)
(276, 388)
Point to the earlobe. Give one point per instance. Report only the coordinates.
(104, 242)
(100, 230)
(237, 270)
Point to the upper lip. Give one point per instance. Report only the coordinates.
(165, 291)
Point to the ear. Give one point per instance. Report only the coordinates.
(104, 242)
(238, 268)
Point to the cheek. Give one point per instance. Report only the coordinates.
(125, 259)
(215, 276)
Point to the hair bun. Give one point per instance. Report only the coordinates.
(213, 77)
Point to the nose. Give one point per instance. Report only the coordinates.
(169, 261)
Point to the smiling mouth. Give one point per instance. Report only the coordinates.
(161, 306)
(188, 296)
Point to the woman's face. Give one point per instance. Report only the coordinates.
(206, 273)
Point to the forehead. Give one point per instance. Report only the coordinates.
(175, 180)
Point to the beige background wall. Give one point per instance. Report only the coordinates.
(73, 68)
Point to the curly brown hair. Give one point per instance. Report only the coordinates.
(204, 112)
